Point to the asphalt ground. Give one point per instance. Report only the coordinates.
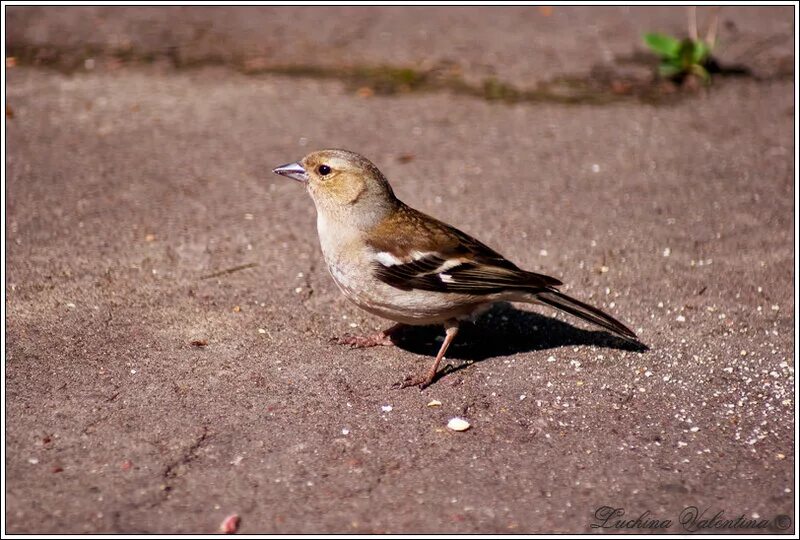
(143, 395)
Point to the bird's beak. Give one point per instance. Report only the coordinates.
(295, 171)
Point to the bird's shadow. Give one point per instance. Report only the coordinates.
(504, 330)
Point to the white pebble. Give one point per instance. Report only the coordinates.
(458, 424)
(386, 408)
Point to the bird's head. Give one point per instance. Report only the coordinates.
(341, 182)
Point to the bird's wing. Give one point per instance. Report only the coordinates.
(416, 251)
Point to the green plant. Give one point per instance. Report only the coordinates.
(680, 58)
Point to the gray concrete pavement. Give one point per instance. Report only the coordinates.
(126, 186)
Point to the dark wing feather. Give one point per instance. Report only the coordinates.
(465, 278)
(455, 261)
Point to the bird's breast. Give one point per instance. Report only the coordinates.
(351, 263)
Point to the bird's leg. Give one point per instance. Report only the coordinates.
(361, 342)
(451, 329)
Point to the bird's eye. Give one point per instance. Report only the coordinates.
(324, 170)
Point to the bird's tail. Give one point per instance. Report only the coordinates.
(586, 312)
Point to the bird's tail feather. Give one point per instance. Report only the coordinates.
(586, 312)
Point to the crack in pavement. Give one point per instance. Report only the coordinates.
(602, 85)
(186, 457)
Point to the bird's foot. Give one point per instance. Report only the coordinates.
(411, 380)
(362, 342)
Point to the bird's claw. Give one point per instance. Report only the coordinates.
(421, 382)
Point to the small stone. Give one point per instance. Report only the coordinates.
(680, 318)
(262, 331)
(458, 424)
(365, 92)
(230, 524)
(780, 456)
(434, 403)
(386, 408)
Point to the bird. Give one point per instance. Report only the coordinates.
(403, 265)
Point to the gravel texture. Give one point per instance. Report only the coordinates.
(144, 396)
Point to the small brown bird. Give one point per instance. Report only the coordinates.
(400, 264)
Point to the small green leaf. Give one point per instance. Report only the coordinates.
(668, 70)
(700, 52)
(687, 53)
(701, 72)
(666, 46)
